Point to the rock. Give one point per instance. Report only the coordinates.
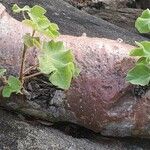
(114, 4)
(99, 99)
(16, 134)
(75, 22)
(144, 4)
(111, 4)
(115, 12)
(124, 17)
(98, 4)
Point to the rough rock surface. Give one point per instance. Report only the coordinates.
(122, 13)
(75, 22)
(16, 134)
(113, 4)
(144, 4)
(99, 99)
(124, 17)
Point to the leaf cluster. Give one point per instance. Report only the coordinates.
(37, 20)
(140, 74)
(54, 60)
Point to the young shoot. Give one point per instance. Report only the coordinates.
(54, 60)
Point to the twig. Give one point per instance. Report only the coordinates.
(22, 63)
(30, 69)
(21, 75)
(32, 75)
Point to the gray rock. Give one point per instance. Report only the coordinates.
(144, 4)
(16, 134)
(19, 135)
(75, 22)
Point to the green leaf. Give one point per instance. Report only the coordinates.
(143, 50)
(49, 58)
(2, 72)
(6, 91)
(53, 26)
(139, 75)
(36, 42)
(30, 41)
(143, 60)
(43, 25)
(137, 52)
(51, 33)
(56, 61)
(53, 46)
(13, 86)
(143, 22)
(30, 23)
(38, 10)
(62, 77)
(17, 9)
(38, 21)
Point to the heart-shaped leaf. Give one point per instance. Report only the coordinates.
(13, 86)
(62, 77)
(17, 9)
(143, 50)
(38, 10)
(30, 41)
(143, 22)
(57, 62)
(139, 75)
(38, 21)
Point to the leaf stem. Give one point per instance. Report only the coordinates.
(22, 63)
(33, 33)
(30, 69)
(21, 75)
(32, 75)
